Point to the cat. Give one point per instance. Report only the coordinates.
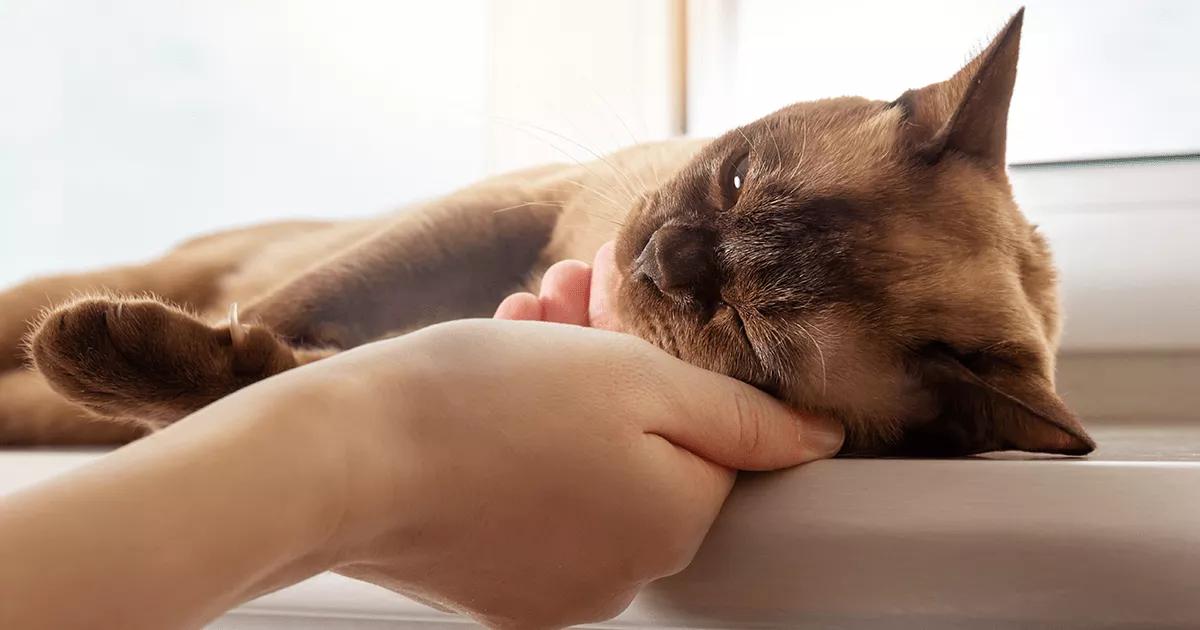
(859, 259)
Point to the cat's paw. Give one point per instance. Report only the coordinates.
(145, 359)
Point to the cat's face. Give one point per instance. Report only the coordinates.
(865, 260)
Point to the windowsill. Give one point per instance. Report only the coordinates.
(1002, 540)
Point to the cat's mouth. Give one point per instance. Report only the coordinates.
(739, 324)
(718, 340)
(715, 337)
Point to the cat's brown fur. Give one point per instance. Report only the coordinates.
(871, 265)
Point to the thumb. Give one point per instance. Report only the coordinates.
(737, 426)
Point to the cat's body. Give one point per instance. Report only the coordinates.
(857, 258)
(494, 237)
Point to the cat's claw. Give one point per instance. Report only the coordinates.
(237, 332)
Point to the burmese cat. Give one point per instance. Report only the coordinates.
(857, 258)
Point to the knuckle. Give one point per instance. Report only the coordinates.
(748, 415)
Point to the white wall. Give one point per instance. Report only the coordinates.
(572, 80)
(128, 124)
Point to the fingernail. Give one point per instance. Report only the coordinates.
(823, 435)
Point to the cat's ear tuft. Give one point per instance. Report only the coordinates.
(989, 404)
(968, 113)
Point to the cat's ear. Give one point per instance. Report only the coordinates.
(994, 404)
(968, 113)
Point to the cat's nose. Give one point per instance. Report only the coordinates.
(681, 261)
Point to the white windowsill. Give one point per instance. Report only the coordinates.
(1005, 542)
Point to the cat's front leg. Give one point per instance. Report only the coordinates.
(457, 258)
(145, 359)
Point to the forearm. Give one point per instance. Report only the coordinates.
(173, 530)
(462, 464)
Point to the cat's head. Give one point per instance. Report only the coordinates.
(866, 260)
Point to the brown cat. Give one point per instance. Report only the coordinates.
(857, 258)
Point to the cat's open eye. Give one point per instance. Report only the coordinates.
(735, 179)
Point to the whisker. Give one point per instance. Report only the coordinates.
(601, 217)
(617, 115)
(611, 204)
(560, 205)
(803, 138)
(778, 154)
(747, 139)
(628, 183)
(803, 146)
(820, 355)
(615, 205)
(529, 203)
(606, 217)
(515, 126)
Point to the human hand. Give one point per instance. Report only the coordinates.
(571, 293)
(538, 475)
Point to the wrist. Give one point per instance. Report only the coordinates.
(307, 429)
(346, 432)
(285, 435)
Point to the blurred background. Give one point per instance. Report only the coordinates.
(127, 125)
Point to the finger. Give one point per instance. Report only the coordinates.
(605, 282)
(520, 306)
(733, 424)
(564, 292)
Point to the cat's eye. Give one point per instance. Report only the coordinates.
(735, 179)
(738, 174)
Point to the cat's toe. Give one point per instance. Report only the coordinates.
(70, 344)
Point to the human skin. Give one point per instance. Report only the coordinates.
(529, 474)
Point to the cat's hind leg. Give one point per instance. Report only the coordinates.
(143, 358)
(32, 414)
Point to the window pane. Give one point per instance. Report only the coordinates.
(1098, 78)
